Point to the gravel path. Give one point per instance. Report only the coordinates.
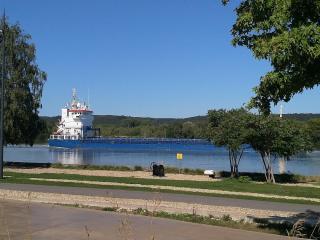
(156, 204)
(170, 197)
(175, 203)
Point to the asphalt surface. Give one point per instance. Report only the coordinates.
(43, 221)
(219, 201)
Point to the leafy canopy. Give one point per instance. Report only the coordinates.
(228, 128)
(313, 128)
(277, 137)
(287, 33)
(23, 87)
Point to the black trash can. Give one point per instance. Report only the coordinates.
(157, 170)
(161, 171)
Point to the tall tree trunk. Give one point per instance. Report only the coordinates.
(266, 159)
(234, 158)
(229, 151)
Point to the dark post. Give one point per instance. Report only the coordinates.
(2, 97)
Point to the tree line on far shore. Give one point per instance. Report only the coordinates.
(193, 127)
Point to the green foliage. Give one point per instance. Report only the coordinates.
(275, 137)
(226, 218)
(137, 168)
(270, 136)
(244, 179)
(23, 87)
(278, 137)
(285, 32)
(313, 128)
(229, 129)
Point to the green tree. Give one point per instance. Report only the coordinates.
(273, 137)
(229, 129)
(23, 87)
(286, 33)
(188, 130)
(313, 128)
(131, 123)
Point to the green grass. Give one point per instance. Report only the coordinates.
(259, 177)
(226, 185)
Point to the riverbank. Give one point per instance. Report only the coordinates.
(142, 172)
(243, 188)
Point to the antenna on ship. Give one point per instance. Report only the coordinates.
(74, 98)
(88, 99)
(74, 94)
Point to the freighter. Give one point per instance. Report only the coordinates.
(75, 130)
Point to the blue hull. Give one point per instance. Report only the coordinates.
(136, 144)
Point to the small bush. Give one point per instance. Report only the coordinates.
(186, 170)
(226, 218)
(244, 179)
(110, 209)
(137, 168)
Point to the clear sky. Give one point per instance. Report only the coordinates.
(158, 58)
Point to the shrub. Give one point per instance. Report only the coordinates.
(226, 218)
(244, 179)
(137, 168)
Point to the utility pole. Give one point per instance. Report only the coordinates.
(281, 110)
(2, 94)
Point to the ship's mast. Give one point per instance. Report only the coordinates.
(74, 98)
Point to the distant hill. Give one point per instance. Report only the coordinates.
(117, 120)
(302, 116)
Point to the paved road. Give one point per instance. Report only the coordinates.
(219, 201)
(41, 221)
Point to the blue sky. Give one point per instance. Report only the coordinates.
(164, 58)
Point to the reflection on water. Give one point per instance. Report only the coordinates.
(68, 156)
(305, 164)
(282, 165)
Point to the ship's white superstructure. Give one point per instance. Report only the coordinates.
(76, 121)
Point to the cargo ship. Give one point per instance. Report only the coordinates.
(75, 130)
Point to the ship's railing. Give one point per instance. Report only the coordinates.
(64, 137)
(132, 140)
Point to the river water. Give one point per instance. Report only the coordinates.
(217, 159)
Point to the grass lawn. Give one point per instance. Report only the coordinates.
(226, 185)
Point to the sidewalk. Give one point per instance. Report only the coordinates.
(42, 221)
